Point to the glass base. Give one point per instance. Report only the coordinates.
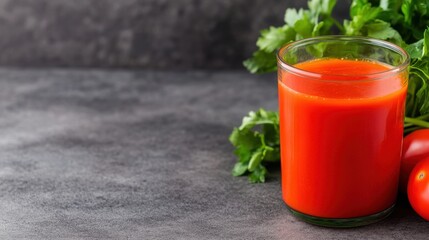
(343, 222)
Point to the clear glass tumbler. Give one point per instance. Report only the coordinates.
(341, 108)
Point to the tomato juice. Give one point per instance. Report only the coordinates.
(341, 126)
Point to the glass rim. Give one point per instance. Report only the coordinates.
(367, 40)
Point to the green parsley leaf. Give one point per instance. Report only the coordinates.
(393, 5)
(304, 27)
(258, 176)
(407, 10)
(261, 62)
(361, 12)
(256, 159)
(415, 50)
(273, 38)
(382, 30)
(299, 24)
(244, 137)
(256, 142)
(417, 103)
(292, 15)
(239, 169)
(323, 7)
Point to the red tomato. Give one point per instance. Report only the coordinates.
(414, 149)
(418, 188)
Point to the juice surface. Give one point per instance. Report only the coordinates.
(340, 140)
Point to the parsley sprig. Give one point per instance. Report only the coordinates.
(256, 141)
(403, 22)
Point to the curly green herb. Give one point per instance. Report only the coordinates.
(403, 22)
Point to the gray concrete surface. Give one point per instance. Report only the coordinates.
(143, 155)
(161, 34)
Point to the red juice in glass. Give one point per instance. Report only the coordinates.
(341, 108)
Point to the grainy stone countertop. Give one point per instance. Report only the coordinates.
(92, 154)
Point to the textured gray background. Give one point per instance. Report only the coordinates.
(178, 34)
(144, 155)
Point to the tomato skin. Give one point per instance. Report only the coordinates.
(418, 188)
(415, 148)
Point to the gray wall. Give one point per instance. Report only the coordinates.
(156, 34)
